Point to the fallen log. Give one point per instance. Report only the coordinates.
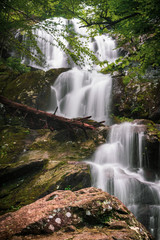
(41, 119)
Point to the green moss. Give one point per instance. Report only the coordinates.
(152, 130)
(32, 88)
(26, 85)
(58, 172)
(68, 150)
(105, 219)
(12, 143)
(126, 80)
(119, 119)
(24, 190)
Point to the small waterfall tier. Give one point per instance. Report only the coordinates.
(79, 93)
(118, 167)
(46, 34)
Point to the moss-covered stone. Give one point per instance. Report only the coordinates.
(35, 162)
(152, 151)
(13, 141)
(153, 130)
(26, 87)
(32, 88)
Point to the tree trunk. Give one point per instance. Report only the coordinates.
(40, 119)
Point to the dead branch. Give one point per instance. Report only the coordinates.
(38, 119)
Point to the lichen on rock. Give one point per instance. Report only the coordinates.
(78, 213)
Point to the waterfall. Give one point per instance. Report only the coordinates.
(119, 165)
(48, 34)
(118, 168)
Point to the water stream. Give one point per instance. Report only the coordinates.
(118, 166)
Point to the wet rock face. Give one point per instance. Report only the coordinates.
(85, 214)
(117, 91)
(151, 154)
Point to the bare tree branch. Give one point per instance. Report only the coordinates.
(109, 22)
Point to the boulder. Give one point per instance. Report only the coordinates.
(85, 214)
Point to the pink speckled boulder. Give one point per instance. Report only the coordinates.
(85, 214)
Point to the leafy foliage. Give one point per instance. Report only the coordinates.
(15, 64)
(21, 18)
(135, 25)
(74, 44)
(20, 15)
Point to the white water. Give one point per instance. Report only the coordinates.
(80, 93)
(102, 46)
(46, 41)
(118, 167)
(77, 92)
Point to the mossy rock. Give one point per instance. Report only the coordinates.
(137, 99)
(41, 180)
(26, 87)
(32, 88)
(38, 162)
(12, 141)
(6, 77)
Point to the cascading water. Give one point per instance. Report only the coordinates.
(54, 57)
(78, 92)
(118, 167)
(103, 46)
